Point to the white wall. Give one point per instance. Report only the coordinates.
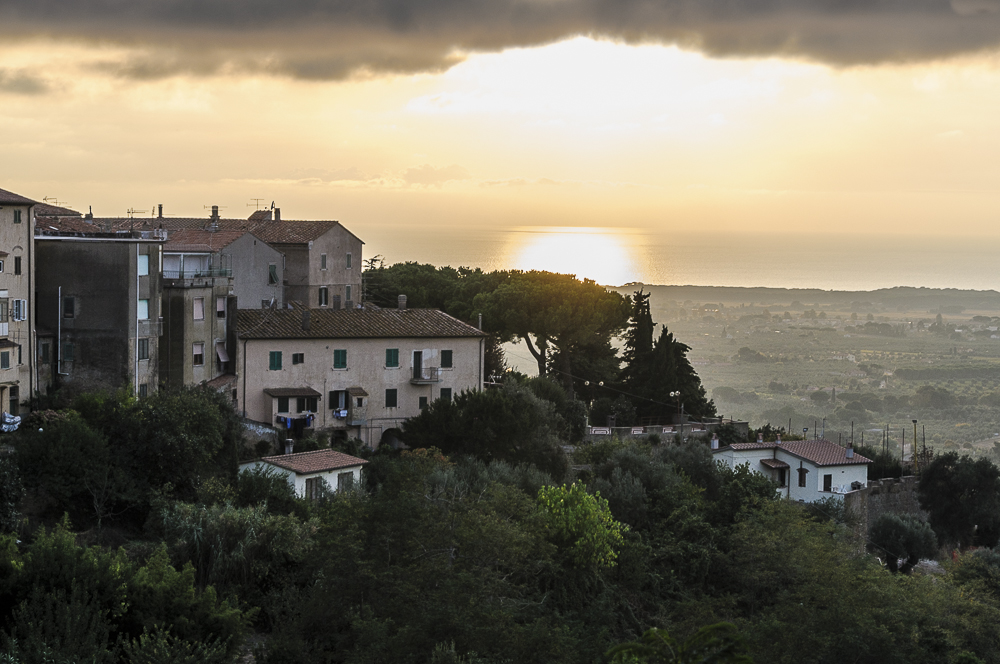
(298, 482)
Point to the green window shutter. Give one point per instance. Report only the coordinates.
(392, 357)
(282, 404)
(446, 393)
(275, 360)
(446, 359)
(272, 274)
(390, 398)
(340, 359)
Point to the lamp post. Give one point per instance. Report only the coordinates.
(916, 461)
(676, 396)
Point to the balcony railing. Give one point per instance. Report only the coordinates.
(198, 274)
(425, 375)
(150, 328)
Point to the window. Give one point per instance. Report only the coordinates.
(446, 393)
(199, 308)
(69, 352)
(69, 307)
(220, 307)
(17, 216)
(143, 349)
(20, 310)
(298, 358)
(142, 267)
(272, 274)
(361, 402)
(43, 352)
(322, 261)
(274, 360)
(143, 390)
(347, 293)
(324, 296)
(802, 476)
(1, 266)
(781, 478)
(422, 403)
(391, 357)
(390, 398)
(15, 399)
(345, 481)
(338, 400)
(348, 267)
(340, 359)
(17, 265)
(198, 352)
(142, 310)
(282, 404)
(306, 404)
(3, 311)
(5, 359)
(336, 302)
(828, 483)
(446, 359)
(314, 488)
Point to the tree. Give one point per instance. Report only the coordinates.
(553, 312)
(901, 536)
(11, 491)
(962, 498)
(714, 644)
(581, 525)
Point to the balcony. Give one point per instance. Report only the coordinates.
(198, 274)
(425, 375)
(150, 328)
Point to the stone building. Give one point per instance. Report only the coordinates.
(18, 379)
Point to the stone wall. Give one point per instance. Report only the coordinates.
(884, 496)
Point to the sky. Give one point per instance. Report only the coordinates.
(630, 118)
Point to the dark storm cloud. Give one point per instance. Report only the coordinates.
(21, 82)
(331, 39)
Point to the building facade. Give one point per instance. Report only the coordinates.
(357, 372)
(98, 300)
(18, 379)
(805, 470)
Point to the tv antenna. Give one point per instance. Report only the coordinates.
(132, 212)
(54, 200)
(257, 203)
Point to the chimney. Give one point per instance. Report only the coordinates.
(402, 302)
(760, 438)
(159, 211)
(715, 441)
(90, 213)
(215, 212)
(277, 214)
(850, 450)
(289, 445)
(305, 320)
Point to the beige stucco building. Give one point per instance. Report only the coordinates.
(358, 372)
(17, 343)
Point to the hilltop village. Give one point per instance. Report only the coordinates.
(225, 441)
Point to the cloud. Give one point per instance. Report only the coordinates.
(21, 82)
(334, 39)
(429, 175)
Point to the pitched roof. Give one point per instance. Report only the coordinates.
(286, 231)
(822, 452)
(318, 461)
(292, 392)
(349, 324)
(10, 198)
(46, 210)
(196, 239)
(819, 452)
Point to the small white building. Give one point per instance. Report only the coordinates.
(805, 470)
(304, 470)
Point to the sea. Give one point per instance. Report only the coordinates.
(616, 256)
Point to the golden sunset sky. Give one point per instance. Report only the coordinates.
(810, 117)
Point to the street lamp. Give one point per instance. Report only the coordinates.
(916, 460)
(676, 396)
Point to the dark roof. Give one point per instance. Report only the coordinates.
(774, 463)
(225, 380)
(46, 210)
(318, 461)
(286, 231)
(349, 324)
(10, 198)
(196, 239)
(819, 452)
(292, 392)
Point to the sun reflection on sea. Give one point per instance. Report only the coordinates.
(602, 254)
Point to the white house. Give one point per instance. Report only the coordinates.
(304, 470)
(805, 470)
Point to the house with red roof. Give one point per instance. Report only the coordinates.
(805, 470)
(308, 471)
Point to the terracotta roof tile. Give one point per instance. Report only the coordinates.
(225, 380)
(350, 324)
(286, 231)
(318, 461)
(292, 392)
(46, 210)
(10, 198)
(196, 239)
(822, 452)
